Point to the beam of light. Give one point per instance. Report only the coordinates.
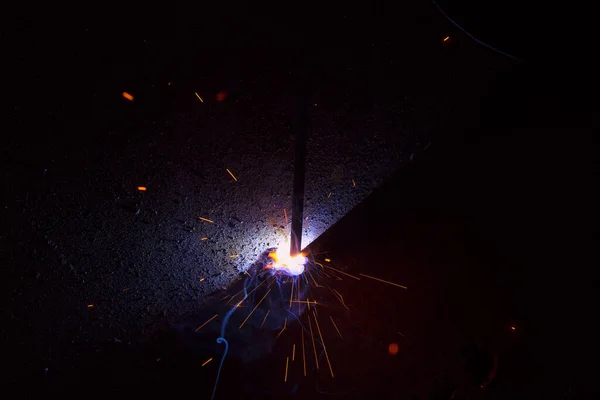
(303, 353)
(207, 220)
(336, 328)
(201, 326)
(283, 261)
(264, 319)
(207, 361)
(324, 348)
(255, 307)
(127, 96)
(313, 342)
(231, 173)
(199, 98)
(341, 272)
(287, 361)
(293, 351)
(142, 188)
(384, 281)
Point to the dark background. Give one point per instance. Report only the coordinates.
(474, 188)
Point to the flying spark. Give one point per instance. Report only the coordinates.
(293, 351)
(201, 326)
(142, 188)
(336, 328)
(303, 354)
(127, 96)
(207, 220)
(233, 255)
(446, 38)
(90, 305)
(324, 348)
(264, 319)
(204, 238)
(353, 183)
(285, 215)
(199, 98)
(328, 260)
(201, 279)
(230, 173)
(255, 307)
(207, 361)
(287, 361)
(329, 195)
(313, 342)
(381, 280)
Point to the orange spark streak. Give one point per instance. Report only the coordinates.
(293, 351)
(329, 195)
(230, 173)
(204, 238)
(207, 220)
(255, 307)
(311, 277)
(324, 348)
(446, 38)
(342, 272)
(250, 292)
(303, 354)
(233, 255)
(381, 280)
(126, 289)
(248, 274)
(285, 215)
(207, 361)
(198, 328)
(264, 319)
(199, 98)
(353, 183)
(305, 301)
(298, 296)
(90, 305)
(328, 260)
(287, 360)
(340, 298)
(127, 96)
(282, 329)
(313, 342)
(142, 188)
(202, 279)
(336, 328)
(291, 295)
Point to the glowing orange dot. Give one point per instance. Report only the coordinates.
(142, 188)
(512, 328)
(393, 349)
(222, 95)
(128, 96)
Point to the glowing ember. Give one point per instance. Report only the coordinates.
(283, 261)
